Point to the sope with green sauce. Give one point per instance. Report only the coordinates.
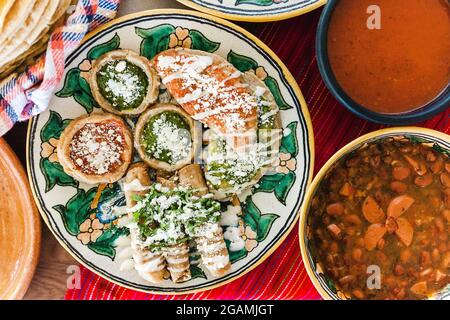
(166, 137)
(122, 84)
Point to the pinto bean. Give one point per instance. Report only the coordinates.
(353, 161)
(435, 202)
(358, 294)
(359, 242)
(431, 156)
(380, 244)
(399, 270)
(373, 234)
(346, 279)
(398, 187)
(423, 181)
(437, 166)
(426, 272)
(405, 256)
(335, 231)
(326, 220)
(399, 205)
(357, 254)
(435, 255)
(383, 261)
(334, 247)
(446, 197)
(439, 276)
(347, 190)
(405, 149)
(389, 280)
(419, 288)
(445, 262)
(418, 166)
(330, 259)
(335, 209)
(401, 293)
(442, 247)
(353, 219)
(439, 223)
(445, 179)
(425, 259)
(401, 173)
(446, 214)
(375, 161)
(405, 231)
(372, 211)
(324, 245)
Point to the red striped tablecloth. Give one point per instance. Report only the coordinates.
(282, 275)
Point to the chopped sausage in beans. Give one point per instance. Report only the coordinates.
(387, 204)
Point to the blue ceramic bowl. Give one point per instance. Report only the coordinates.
(439, 104)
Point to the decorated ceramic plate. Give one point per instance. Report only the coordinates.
(83, 218)
(254, 10)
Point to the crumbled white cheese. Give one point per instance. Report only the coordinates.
(134, 186)
(233, 234)
(259, 91)
(230, 216)
(123, 84)
(94, 150)
(175, 141)
(121, 66)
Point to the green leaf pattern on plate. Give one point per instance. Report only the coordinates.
(103, 48)
(50, 167)
(167, 36)
(281, 182)
(247, 64)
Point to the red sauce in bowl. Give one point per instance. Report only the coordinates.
(395, 69)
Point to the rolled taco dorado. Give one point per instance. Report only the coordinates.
(151, 266)
(230, 173)
(158, 241)
(208, 235)
(177, 255)
(209, 88)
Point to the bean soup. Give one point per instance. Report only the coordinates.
(386, 206)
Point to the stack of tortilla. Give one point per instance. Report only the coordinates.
(25, 28)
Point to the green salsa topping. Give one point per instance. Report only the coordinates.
(227, 169)
(170, 216)
(166, 137)
(264, 121)
(123, 84)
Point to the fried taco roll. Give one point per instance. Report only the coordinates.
(192, 176)
(177, 255)
(151, 266)
(208, 236)
(210, 89)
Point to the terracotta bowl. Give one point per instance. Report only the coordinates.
(20, 227)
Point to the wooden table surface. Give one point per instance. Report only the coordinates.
(50, 279)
